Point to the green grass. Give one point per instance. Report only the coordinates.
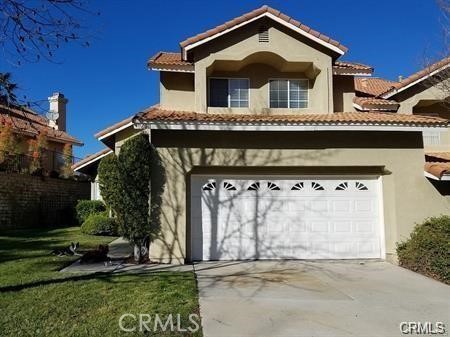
(37, 300)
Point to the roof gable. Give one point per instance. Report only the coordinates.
(417, 77)
(254, 15)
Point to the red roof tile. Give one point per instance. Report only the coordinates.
(352, 65)
(422, 74)
(167, 59)
(437, 169)
(28, 122)
(372, 103)
(254, 14)
(372, 86)
(351, 68)
(355, 118)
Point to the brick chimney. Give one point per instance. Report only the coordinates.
(58, 104)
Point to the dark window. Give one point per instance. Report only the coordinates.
(297, 187)
(229, 186)
(254, 187)
(227, 93)
(317, 186)
(209, 186)
(361, 186)
(218, 92)
(272, 186)
(342, 186)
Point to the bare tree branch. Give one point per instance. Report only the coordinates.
(35, 29)
(441, 78)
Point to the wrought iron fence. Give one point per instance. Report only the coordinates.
(48, 161)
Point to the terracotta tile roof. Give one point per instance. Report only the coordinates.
(167, 59)
(113, 127)
(373, 103)
(174, 59)
(422, 74)
(154, 113)
(91, 158)
(437, 156)
(351, 65)
(437, 169)
(29, 123)
(372, 86)
(255, 13)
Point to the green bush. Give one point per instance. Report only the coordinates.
(85, 208)
(99, 224)
(427, 249)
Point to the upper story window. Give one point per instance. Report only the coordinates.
(288, 93)
(228, 92)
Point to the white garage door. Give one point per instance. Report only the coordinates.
(284, 218)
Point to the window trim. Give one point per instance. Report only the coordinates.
(229, 96)
(289, 79)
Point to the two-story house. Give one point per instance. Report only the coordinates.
(264, 154)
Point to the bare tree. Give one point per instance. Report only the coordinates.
(31, 30)
(441, 78)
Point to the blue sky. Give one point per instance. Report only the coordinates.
(109, 81)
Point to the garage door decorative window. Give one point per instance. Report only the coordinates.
(298, 186)
(229, 186)
(317, 186)
(342, 186)
(209, 186)
(361, 186)
(272, 186)
(254, 187)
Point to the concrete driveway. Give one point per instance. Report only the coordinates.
(297, 298)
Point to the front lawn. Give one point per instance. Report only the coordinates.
(37, 300)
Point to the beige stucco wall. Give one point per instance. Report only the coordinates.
(122, 136)
(177, 91)
(401, 209)
(409, 98)
(240, 54)
(343, 93)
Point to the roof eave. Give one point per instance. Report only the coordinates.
(142, 123)
(185, 47)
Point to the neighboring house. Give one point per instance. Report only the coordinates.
(113, 137)
(27, 124)
(265, 155)
(423, 93)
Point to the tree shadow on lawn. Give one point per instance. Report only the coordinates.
(35, 243)
(164, 276)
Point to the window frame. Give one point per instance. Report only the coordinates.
(229, 95)
(288, 90)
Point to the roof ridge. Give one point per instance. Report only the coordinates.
(253, 14)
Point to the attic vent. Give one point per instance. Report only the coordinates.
(263, 34)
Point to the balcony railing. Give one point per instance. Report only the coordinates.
(49, 161)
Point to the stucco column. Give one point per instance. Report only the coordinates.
(200, 88)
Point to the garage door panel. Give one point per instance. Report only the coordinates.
(342, 226)
(284, 218)
(341, 206)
